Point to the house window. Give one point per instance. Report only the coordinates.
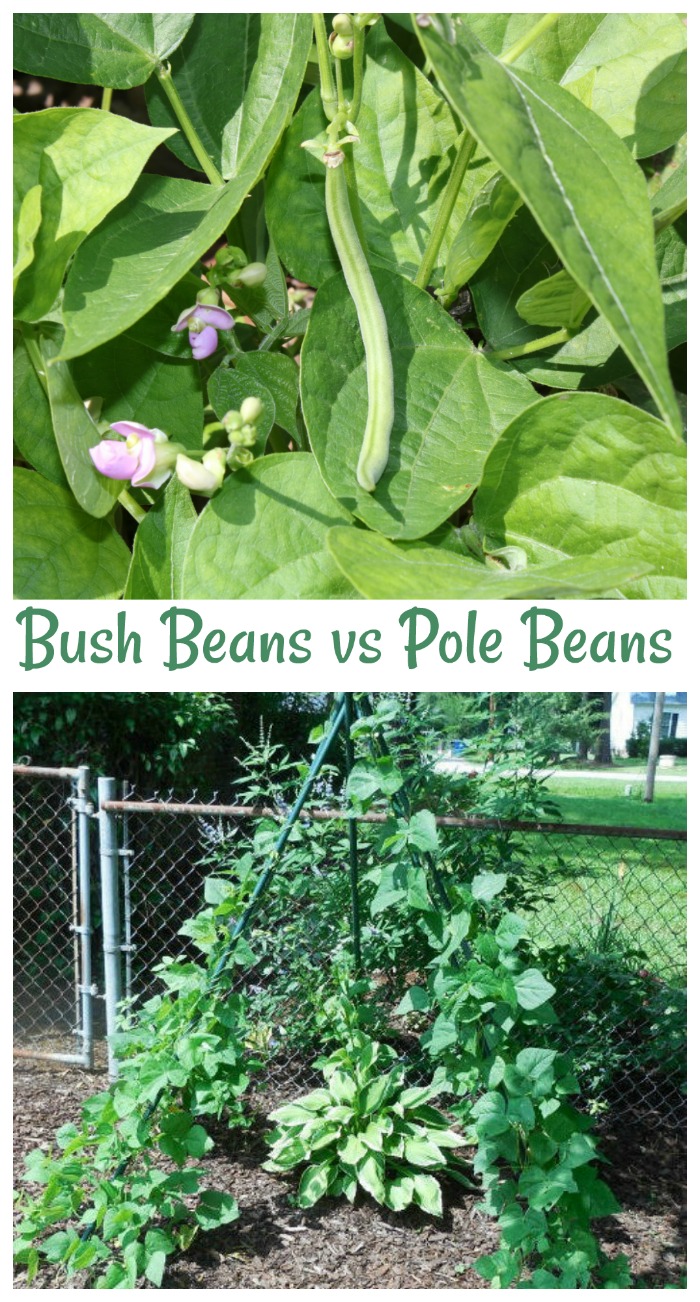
(669, 726)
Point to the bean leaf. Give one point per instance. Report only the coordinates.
(384, 570)
(264, 535)
(584, 475)
(160, 545)
(628, 67)
(99, 49)
(148, 244)
(581, 184)
(450, 404)
(60, 550)
(84, 162)
(228, 71)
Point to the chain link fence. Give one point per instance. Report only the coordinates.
(52, 928)
(606, 906)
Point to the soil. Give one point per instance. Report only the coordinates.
(334, 1245)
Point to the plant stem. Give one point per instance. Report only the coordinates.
(188, 129)
(467, 145)
(214, 427)
(106, 98)
(534, 345)
(339, 83)
(358, 67)
(131, 505)
(526, 41)
(324, 66)
(277, 332)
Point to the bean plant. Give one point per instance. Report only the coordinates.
(351, 306)
(118, 1192)
(485, 1005)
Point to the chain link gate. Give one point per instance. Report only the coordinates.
(52, 915)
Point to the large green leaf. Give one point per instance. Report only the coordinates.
(85, 162)
(280, 374)
(628, 67)
(593, 357)
(582, 185)
(25, 228)
(135, 383)
(31, 424)
(584, 475)
(148, 244)
(155, 329)
(75, 434)
(99, 49)
(227, 72)
(532, 988)
(60, 552)
(160, 545)
(384, 571)
(450, 402)
(490, 211)
(402, 162)
(264, 535)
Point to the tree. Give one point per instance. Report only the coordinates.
(657, 719)
(175, 740)
(603, 749)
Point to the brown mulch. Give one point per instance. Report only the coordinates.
(334, 1245)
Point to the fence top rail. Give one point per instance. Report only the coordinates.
(31, 771)
(196, 810)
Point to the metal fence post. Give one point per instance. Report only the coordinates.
(126, 855)
(83, 810)
(111, 931)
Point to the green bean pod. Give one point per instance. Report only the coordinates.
(374, 453)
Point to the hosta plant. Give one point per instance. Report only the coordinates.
(404, 318)
(366, 1130)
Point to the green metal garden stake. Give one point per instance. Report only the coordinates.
(352, 839)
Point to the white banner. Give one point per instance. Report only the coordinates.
(331, 645)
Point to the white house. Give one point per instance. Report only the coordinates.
(631, 708)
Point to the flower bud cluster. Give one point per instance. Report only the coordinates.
(341, 39)
(233, 268)
(242, 430)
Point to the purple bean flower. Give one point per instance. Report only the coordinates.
(203, 320)
(145, 457)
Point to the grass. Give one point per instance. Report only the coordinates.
(589, 800)
(641, 882)
(642, 885)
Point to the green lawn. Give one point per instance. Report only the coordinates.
(590, 800)
(639, 885)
